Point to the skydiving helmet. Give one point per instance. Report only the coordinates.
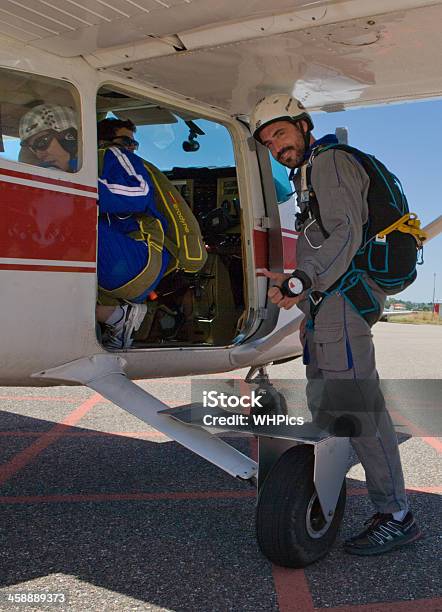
(278, 107)
(59, 119)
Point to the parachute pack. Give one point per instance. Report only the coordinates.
(392, 236)
(183, 237)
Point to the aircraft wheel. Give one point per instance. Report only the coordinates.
(290, 526)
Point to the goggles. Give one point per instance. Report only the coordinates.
(42, 142)
(127, 142)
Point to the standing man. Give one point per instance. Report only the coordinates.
(332, 189)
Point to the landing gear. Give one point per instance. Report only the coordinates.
(271, 400)
(301, 495)
(291, 528)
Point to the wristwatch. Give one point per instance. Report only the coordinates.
(296, 284)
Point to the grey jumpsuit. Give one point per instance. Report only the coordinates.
(338, 348)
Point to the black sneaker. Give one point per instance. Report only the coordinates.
(383, 534)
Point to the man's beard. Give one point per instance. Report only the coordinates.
(296, 158)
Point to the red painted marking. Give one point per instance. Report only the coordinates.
(418, 490)
(292, 590)
(289, 231)
(261, 246)
(417, 431)
(26, 268)
(105, 497)
(429, 605)
(84, 434)
(289, 248)
(49, 181)
(43, 224)
(410, 400)
(253, 446)
(412, 491)
(44, 398)
(21, 460)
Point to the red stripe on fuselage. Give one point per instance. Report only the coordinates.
(28, 268)
(289, 231)
(261, 244)
(46, 224)
(48, 181)
(289, 248)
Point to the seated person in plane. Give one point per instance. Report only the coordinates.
(132, 257)
(182, 235)
(125, 274)
(49, 132)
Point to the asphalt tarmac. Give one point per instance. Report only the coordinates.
(100, 509)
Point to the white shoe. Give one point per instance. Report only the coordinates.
(119, 335)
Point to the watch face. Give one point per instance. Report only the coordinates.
(295, 285)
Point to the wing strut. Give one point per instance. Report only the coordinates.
(105, 374)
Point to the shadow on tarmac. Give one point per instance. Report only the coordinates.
(183, 541)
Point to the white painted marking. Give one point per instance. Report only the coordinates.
(47, 186)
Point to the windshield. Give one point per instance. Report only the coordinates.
(162, 145)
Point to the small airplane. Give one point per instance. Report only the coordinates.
(390, 312)
(174, 66)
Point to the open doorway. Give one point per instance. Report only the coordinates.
(199, 297)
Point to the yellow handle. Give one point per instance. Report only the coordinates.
(408, 224)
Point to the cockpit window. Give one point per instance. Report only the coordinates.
(39, 121)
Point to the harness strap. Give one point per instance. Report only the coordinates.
(355, 290)
(308, 197)
(408, 223)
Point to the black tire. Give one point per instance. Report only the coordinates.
(286, 499)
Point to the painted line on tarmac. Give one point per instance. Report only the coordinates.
(109, 497)
(417, 431)
(411, 491)
(294, 595)
(85, 434)
(133, 496)
(23, 458)
(292, 590)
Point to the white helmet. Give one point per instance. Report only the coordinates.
(277, 107)
(46, 117)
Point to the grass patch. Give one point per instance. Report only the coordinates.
(418, 318)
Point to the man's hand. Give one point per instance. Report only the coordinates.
(275, 294)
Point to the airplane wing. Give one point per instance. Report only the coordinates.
(333, 53)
